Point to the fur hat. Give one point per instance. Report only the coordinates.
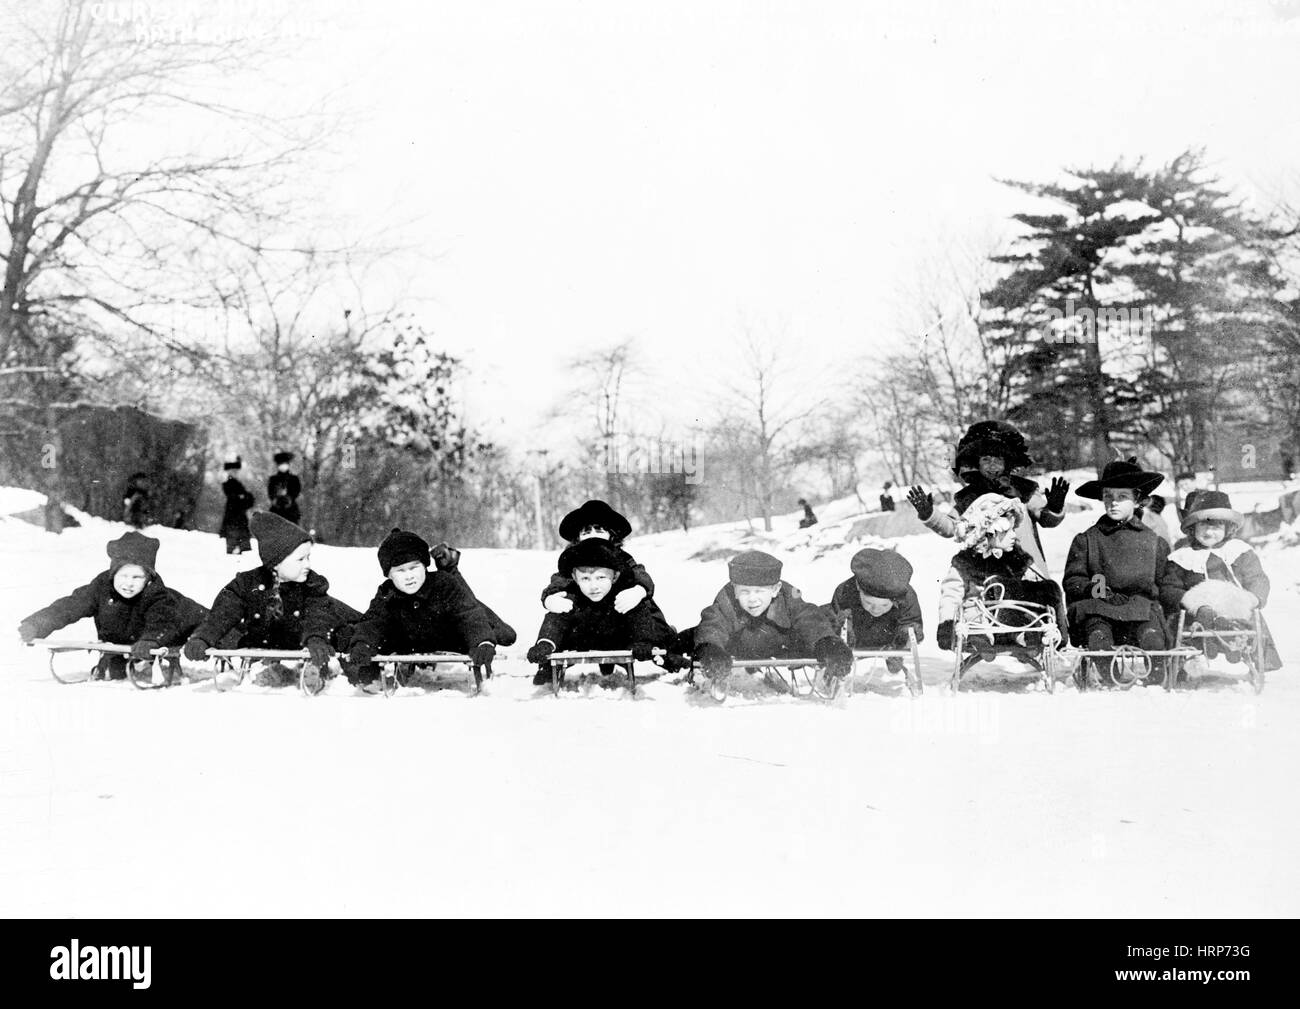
(595, 513)
(401, 547)
(989, 526)
(590, 553)
(754, 567)
(1226, 599)
(133, 548)
(1123, 474)
(276, 537)
(283, 457)
(1210, 504)
(883, 573)
(991, 437)
(234, 462)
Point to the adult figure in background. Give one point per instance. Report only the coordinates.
(283, 489)
(135, 501)
(886, 498)
(809, 519)
(234, 520)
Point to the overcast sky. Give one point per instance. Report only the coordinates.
(584, 171)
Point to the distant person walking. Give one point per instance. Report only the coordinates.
(887, 499)
(283, 489)
(809, 519)
(135, 501)
(234, 520)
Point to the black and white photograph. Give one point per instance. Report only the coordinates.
(725, 459)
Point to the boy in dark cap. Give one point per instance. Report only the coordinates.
(283, 604)
(597, 520)
(594, 621)
(878, 605)
(129, 604)
(283, 488)
(758, 616)
(417, 610)
(234, 519)
(1118, 570)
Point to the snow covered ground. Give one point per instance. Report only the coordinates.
(999, 801)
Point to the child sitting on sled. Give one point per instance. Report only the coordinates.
(594, 621)
(129, 604)
(877, 606)
(596, 519)
(992, 565)
(1221, 582)
(416, 610)
(758, 616)
(1117, 571)
(283, 604)
(987, 457)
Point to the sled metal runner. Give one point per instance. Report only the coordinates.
(990, 615)
(1246, 642)
(911, 673)
(788, 676)
(239, 660)
(560, 662)
(397, 670)
(150, 675)
(1127, 665)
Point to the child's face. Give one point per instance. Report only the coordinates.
(875, 605)
(408, 577)
(992, 466)
(296, 566)
(1119, 502)
(593, 532)
(129, 580)
(755, 599)
(1210, 532)
(594, 583)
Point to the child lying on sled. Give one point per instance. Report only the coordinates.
(878, 606)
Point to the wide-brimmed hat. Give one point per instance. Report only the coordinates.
(1211, 504)
(1123, 474)
(595, 513)
(590, 553)
(280, 457)
(233, 462)
(991, 437)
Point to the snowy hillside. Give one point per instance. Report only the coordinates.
(1000, 801)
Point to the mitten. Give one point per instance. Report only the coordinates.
(196, 649)
(142, 650)
(320, 651)
(922, 502)
(900, 640)
(541, 651)
(642, 651)
(835, 655)
(629, 599)
(481, 655)
(557, 602)
(1056, 494)
(445, 557)
(713, 660)
(943, 635)
(27, 632)
(1205, 617)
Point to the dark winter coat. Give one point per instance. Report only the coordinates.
(592, 626)
(135, 506)
(1118, 570)
(627, 574)
(788, 628)
(1234, 561)
(889, 630)
(971, 571)
(157, 613)
(246, 615)
(234, 520)
(441, 616)
(283, 489)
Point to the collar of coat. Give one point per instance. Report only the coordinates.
(1196, 558)
(1108, 525)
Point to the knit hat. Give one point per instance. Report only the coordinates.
(991, 437)
(754, 567)
(590, 553)
(283, 457)
(595, 513)
(1211, 504)
(1123, 474)
(276, 537)
(989, 526)
(234, 462)
(132, 548)
(883, 573)
(401, 548)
